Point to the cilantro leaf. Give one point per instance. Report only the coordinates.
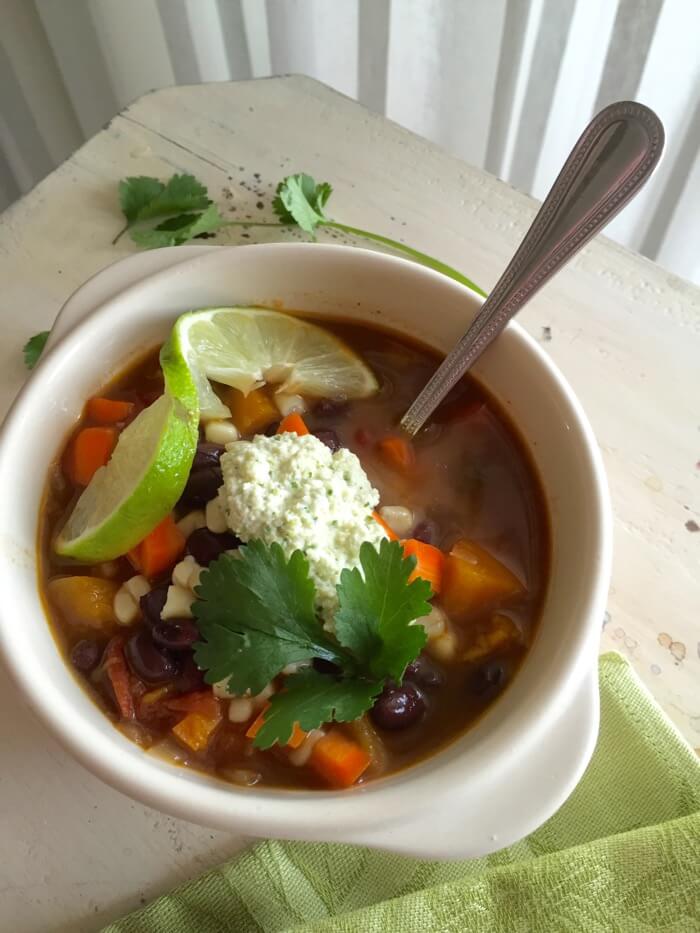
(301, 200)
(143, 198)
(268, 602)
(34, 347)
(181, 194)
(178, 230)
(311, 698)
(377, 607)
(136, 193)
(217, 654)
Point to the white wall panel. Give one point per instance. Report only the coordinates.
(443, 61)
(505, 84)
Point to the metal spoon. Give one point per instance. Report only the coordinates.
(616, 154)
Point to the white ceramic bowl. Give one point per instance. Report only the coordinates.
(496, 783)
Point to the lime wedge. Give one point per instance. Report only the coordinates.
(248, 347)
(141, 483)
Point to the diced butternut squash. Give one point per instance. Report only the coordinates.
(500, 635)
(195, 730)
(253, 412)
(338, 760)
(203, 716)
(85, 603)
(429, 562)
(474, 581)
(298, 734)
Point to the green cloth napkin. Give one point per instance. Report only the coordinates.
(622, 854)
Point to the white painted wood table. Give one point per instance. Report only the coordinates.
(75, 853)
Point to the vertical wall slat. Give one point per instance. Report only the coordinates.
(180, 41)
(635, 25)
(373, 53)
(443, 61)
(254, 13)
(670, 83)
(235, 39)
(672, 236)
(37, 112)
(132, 40)
(73, 39)
(541, 79)
(575, 90)
(519, 31)
(208, 39)
(9, 189)
(316, 38)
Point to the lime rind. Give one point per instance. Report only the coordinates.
(140, 485)
(247, 347)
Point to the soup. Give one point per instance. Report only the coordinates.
(461, 501)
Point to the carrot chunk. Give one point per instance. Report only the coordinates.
(429, 562)
(338, 760)
(298, 734)
(389, 533)
(115, 667)
(397, 453)
(294, 424)
(159, 550)
(253, 412)
(90, 449)
(473, 580)
(108, 411)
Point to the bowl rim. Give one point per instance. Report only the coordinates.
(283, 812)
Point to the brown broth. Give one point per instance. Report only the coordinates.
(473, 479)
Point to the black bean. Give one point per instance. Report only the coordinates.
(85, 655)
(398, 707)
(426, 531)
(205, 546)
(190, 677)
(207, 455)
(202, 486)
(150, 663)
(329, 438)
(424, 672)
(175, 634)
(331, 408)
(152, 604)
(488, 680)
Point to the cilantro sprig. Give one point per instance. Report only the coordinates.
(299, 201)
(185, 211)
(183, 201)
(256, 614)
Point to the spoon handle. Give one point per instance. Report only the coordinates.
(615, 155)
